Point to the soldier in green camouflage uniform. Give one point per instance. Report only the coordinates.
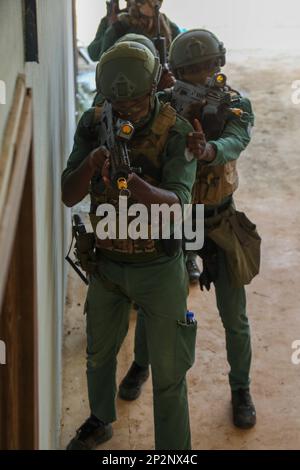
(196, 56)
(139, 19)
(95, 47)
(146, 271)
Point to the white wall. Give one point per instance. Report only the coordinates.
(53, 98)
(241, 24)
(11, 52)
(53, 84)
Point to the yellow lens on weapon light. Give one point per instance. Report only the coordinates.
(122, 184)
(221, 79)
(126, 129)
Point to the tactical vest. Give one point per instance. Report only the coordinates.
(215, 183)
(145, 153)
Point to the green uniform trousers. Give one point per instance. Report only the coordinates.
(160, 288)
(231, 302)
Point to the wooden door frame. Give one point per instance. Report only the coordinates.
(18, 281)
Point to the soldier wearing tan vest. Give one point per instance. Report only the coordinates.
(231, 253)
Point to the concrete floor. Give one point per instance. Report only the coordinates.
(270, 195)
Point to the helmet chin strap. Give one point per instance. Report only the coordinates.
(152, 96)
(142, 123)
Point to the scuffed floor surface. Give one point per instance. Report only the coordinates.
(269, 194)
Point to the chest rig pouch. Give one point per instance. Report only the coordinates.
(215, 183)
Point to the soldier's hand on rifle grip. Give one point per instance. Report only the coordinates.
(97, 158)
(167, 80)
(106, 174)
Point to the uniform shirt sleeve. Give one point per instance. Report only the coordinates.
(178, 175)
(95, 47)
(175, 30)
(84, 143)
(236, 136)
(109, 39)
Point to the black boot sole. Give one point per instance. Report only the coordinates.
(129, 395)
(244, 426)
(76, 444)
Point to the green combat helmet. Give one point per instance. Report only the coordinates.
(195, 47)
(132, 37)
(127, 71)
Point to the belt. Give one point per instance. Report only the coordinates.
(217, 210)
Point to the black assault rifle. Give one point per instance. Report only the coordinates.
(216, 102)
(160, 41)
(115, 135)
(78, 230)
(212, 95)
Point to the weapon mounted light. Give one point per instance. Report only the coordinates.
(220, 80)
(125, 130)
